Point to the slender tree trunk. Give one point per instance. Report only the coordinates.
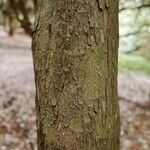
(26, 21)
(75, 46)
(10, 14)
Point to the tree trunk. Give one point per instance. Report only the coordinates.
(75, 45)
(26, 21)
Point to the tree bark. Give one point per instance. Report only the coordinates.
(75, 47)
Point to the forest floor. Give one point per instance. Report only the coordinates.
(17, 111)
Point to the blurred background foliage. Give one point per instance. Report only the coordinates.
(134, 18)
(134, 47)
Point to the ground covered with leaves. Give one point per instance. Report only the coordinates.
(17, 111)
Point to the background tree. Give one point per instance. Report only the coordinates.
(18, 13)
(75, 59)
(136, 27)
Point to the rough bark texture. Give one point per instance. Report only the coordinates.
(75, 46)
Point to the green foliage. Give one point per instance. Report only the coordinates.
(134, 63)
(134, 24)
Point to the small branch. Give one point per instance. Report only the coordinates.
(135, 8)
(132, 33)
